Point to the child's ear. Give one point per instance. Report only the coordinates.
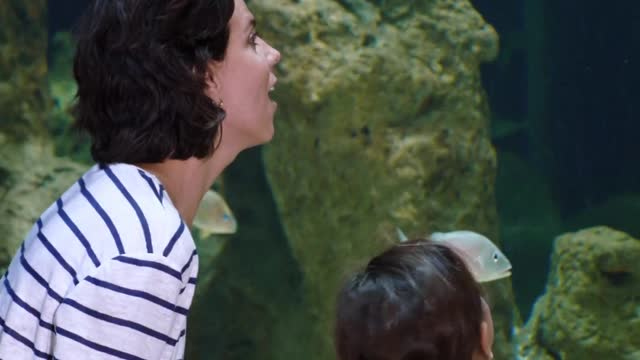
(486, 339)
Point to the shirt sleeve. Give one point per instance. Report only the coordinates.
(127, 309)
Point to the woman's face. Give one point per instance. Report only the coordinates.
(243, 80)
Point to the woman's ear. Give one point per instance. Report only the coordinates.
(214, 88)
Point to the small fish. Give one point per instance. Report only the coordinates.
(214, 216)
(483, 258)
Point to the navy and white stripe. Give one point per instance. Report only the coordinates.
(134, 205)
(103, 215)
(108, 271)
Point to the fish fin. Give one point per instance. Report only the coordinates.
(401, 236)
(205, 233)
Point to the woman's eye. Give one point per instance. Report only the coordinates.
(253, 39)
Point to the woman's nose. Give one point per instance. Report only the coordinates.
(274, 56)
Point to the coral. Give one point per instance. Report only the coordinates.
(31, 179)
(24, 98)
(590, 307)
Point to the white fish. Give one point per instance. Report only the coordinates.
(214, 216)
(483, 258)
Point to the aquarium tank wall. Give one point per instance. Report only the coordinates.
(515, 119)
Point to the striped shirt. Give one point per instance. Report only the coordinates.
(107, 272)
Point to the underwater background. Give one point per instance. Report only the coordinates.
(516, 119)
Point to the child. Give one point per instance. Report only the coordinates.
(415, 301)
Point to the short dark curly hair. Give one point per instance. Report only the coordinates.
(141, 67)
(415, 301)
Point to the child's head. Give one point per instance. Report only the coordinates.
(415, 301)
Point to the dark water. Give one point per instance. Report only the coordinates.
(583, 140)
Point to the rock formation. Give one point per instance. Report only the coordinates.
(590, 309)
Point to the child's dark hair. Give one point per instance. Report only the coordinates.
(141, 68)
(415, 301)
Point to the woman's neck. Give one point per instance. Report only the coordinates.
(186, 181)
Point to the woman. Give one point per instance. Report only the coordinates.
(415, 301)
(170, 91)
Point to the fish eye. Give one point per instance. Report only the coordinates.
(226, 217)
(495, 257)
